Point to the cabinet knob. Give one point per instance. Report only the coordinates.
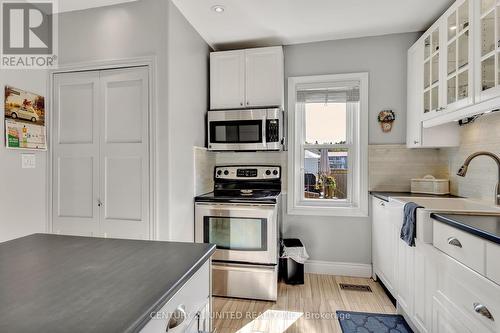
(248, 103)
(483, 311)
(177, 318)
(99, 203)
(416, 142)
(241, 103)
(454, 242)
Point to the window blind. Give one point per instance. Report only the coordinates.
(328, 95)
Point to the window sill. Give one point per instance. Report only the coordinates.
(328, 211)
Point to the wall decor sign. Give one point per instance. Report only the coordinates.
(386, 118)
(24, 120)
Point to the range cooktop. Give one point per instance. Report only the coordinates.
(237, 196)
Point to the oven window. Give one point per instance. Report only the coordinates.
(248, 131)
(232, 233)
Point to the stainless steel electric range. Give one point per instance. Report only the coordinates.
(242, 217)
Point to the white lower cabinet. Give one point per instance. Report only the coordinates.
(384, 243)
(437, 290)
(404, 265)
(190, 306)
(473, 295)
(425, 282)
(444, 319)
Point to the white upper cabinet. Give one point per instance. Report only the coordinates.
(227, 80)
(264, 77)
(247, 78)
(460, 63)
(459, 55)
(432, 92)
(420, 92)
(487, 48)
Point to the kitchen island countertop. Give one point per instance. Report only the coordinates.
(53, 283)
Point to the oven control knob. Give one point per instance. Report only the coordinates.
(268, 172)
(219, 172)
(275, 172)
(226, 172)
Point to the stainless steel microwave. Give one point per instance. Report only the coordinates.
(245, 130)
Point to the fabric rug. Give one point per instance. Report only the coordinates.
(363, 322)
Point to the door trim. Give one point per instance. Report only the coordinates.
(150, 62)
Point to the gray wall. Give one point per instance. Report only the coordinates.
(23, 191)
(346, 239)
(383, 57)
(154, 28)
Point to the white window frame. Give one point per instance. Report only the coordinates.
(357, 205)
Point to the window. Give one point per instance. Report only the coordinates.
(328, 132)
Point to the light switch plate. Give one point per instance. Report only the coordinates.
(28, 161)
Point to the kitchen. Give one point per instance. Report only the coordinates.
(151, 99)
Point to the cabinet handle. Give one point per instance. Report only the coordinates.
(416, 142)
(177, 318)
(483, 311)
(99, 203)
(455, 242)
(241, 103)
(248, 103)
(382, 204)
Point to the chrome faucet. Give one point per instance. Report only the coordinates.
(463, 169)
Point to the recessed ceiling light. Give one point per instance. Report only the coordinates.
(218, 9)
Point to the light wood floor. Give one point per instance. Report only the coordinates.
(299, 308)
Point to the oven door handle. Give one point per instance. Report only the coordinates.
(241, 267)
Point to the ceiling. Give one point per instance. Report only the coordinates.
(247, 23)
(72, 5)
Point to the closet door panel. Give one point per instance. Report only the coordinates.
(76, 194)
(75, 164)
(124, 165)
(123, 188)
(123, 119)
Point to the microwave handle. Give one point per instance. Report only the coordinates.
(264, 131)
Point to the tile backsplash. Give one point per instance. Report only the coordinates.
(204, 163)
(481, 178)
(391, 167)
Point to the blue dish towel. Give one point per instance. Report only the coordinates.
(409, 228)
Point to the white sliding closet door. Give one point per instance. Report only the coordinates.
(101, 153)
(124, 166)
(75, 178)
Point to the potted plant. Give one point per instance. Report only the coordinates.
(330, 187)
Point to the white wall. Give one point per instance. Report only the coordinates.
(154, 28)
(187, 104)
(23, 191)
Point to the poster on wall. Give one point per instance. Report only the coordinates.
(24, 120)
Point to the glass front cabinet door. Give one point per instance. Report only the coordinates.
(431, 89)
(487, 49)
(459, 52)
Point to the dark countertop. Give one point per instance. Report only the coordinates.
(52, 283)
(487, 227)
(386, 195)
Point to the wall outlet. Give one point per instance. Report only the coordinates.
(28, 161)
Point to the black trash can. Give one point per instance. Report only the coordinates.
(292, 272)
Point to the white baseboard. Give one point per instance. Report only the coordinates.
(338, 268)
